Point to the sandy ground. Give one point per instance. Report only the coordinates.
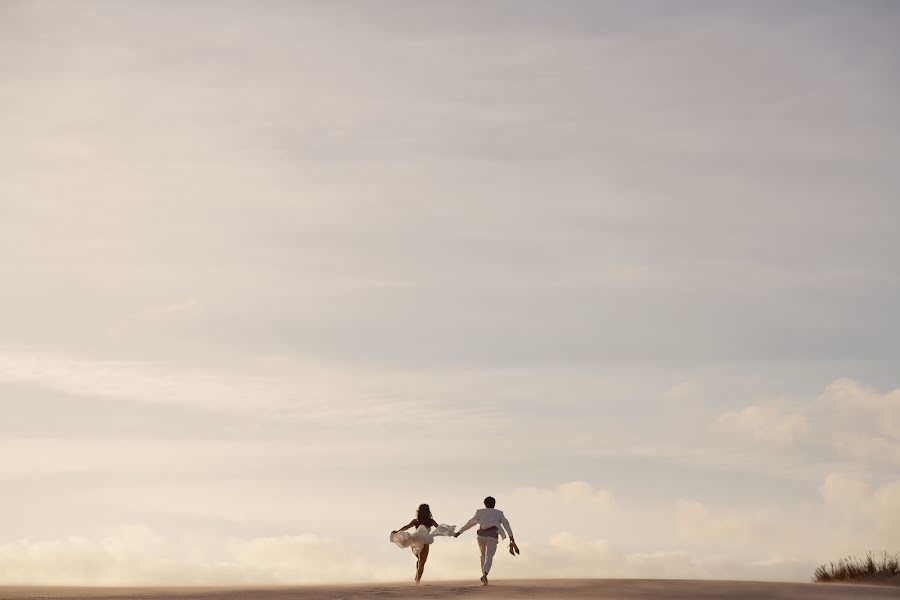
(562, 589)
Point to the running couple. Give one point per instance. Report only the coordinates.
(492, 523)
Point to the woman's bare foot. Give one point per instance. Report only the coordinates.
(484, 580)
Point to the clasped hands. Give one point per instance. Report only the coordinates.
(512, 540)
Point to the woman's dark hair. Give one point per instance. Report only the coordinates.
(423, 514)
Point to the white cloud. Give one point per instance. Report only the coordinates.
(854, 396)
(844, 490)
(884, 506)
(698, 524)
(139, 556)
(154, 316)
(288, 389)
(594, 509)
(868, 447)
(306, 558)
(709, 542)
(870, 421)
(871, 513)
(569, 496)
(132, 555)
(763, 424)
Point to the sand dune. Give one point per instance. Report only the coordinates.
(612, 589)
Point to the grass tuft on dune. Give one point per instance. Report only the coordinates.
(860, 569)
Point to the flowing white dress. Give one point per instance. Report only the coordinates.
(419, 538)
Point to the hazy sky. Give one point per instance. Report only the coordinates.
(273, 273)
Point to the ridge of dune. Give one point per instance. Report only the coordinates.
(553, 589)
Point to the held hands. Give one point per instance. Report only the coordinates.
(456, 535)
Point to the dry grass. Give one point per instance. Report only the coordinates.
(853, 568)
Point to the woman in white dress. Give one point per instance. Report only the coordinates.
(421, 538)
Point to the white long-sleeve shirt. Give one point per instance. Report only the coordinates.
(489, 517)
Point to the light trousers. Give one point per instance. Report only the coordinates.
(488, 547)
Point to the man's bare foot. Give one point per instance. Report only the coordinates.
(484, 580)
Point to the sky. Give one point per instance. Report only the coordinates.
(275, 273)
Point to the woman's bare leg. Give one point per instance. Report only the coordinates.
(420, 566)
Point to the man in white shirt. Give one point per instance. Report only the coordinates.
(491, 522)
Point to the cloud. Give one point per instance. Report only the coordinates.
(137, 555)
(870, 430)
(154, 316)
(527, 507)
(867, 447)
(872, 513)
(711, 542)
(306, 558)
(763, 424)
(571, 496)
(884, 506)
(284, 388)
(131, 555)
(844, 490)
(854, 396)
(695, 523)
